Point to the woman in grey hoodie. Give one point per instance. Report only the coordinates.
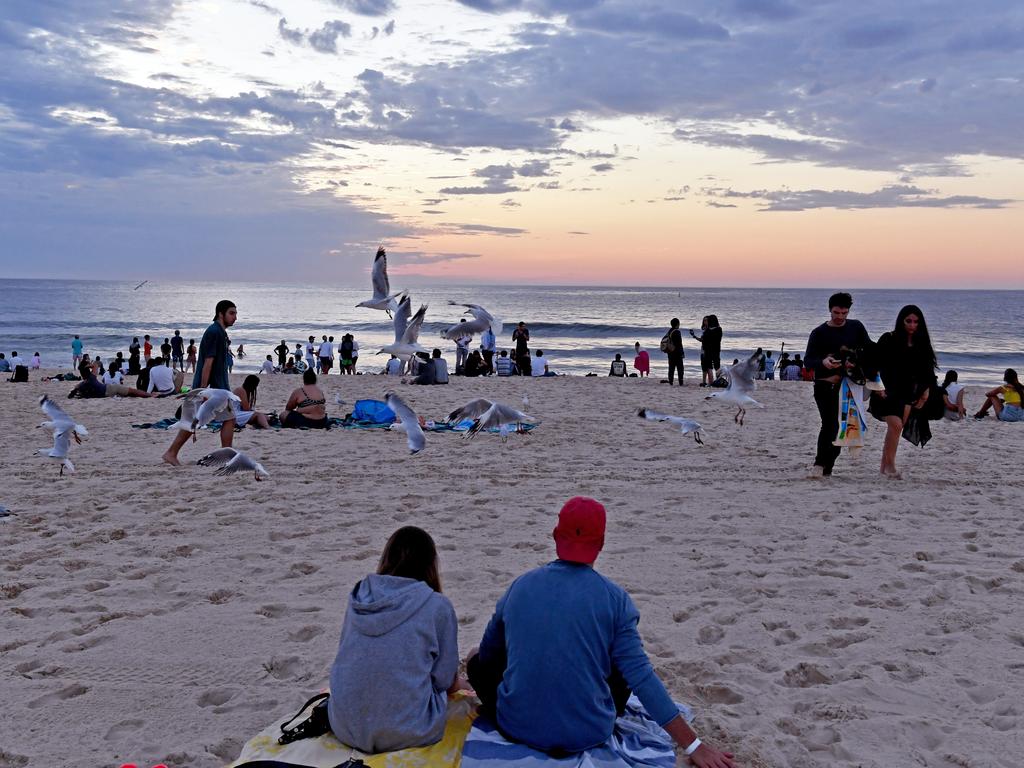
(398, 657)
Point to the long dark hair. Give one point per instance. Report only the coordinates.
(1010, 377)
(713, 321)
(922, 340)
(410, 552)
(250, 385)
(951, 376)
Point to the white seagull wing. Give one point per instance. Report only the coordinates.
(474, 409)
(410, 422)
(218, 458)
(412, 331)
(401, 318)
(381, 284)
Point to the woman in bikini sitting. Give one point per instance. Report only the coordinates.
(306, 406)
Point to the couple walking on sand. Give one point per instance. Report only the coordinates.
(555, 667)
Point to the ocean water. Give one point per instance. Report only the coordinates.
(579, 328)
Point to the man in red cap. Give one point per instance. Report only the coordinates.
(561, 654)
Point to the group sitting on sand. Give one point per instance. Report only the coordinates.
(554, 669)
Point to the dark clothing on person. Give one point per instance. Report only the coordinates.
(213, 345)
(426, 373)
(295, 420)
(524, 364)
(827, 340)
(675, 357)
(282, 354)
(177, 346)
(89, 388)
(618, 368)
(488, 360)
(165, 351)
(142, 382)
(906, 372)
(133, 358)
(711, 349)
(521, 337)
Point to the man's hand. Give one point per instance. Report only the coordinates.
(707, 756)
(831, 363)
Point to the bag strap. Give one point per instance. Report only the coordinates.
(289, 732)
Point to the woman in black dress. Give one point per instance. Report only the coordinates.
(710, 339)
(907, 364)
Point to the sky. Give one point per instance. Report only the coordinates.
(611, 142)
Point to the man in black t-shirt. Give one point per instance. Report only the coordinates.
(282, 353)
(675, 354)
(521, 336)
(177, 351)
(826, 350)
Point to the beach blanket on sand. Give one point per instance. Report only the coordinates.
(637, 742)
(263, 751)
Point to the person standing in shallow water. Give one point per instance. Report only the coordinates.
(212, 372)
(827, 349)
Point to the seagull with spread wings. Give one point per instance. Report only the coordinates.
(482, 320)
(408, 422)
(407, 331)
(382, 296)
(65, 429)
(230, 460)
(488, 414)
(686, 426)
(201, 406)
(742, 382)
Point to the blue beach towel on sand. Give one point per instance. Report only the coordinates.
(637, 742)
(372, 412)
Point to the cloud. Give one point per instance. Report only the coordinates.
(893, 196)
(602, 167)
(324, 39)
(467, 229)
(399, 259)
(368, 7)
(498, 178)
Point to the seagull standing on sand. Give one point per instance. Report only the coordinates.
(229, 461)
(741, 378)
(201, 406)
(382, 296)
(65, 429)
(407, 331)
(686, 426)
(409, 422)
(482, 320)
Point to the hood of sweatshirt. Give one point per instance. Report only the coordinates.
(378, 604)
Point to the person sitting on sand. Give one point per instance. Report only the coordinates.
(393, 367)
(440, 367)
(503, 364)
(953, 396)
(306, 405)
(91, 387)
(268, 366)
(618, 366)
(561, 654)
(5, 364)
(289, 366)
(113, 374)
(642, 360)
(163, 380)
(539, 366)
(398, 656)
(1005, 399)
(248, 413)
(474, 365)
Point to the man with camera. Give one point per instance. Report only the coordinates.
(831, 353)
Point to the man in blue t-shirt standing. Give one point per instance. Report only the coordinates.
(562, 652)
(211, 372)
(76, 352)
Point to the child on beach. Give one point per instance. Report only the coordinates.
(398, 656)
(642, 361)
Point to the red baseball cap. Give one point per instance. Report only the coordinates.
(579, 535)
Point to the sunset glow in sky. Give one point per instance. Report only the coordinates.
(634, 142)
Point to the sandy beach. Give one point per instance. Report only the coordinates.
(151, 614)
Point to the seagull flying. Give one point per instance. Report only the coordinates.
(229, 461)
(410, 422)
(382, 296)
(201, 406)
(741, 378)
(498, 415)
(65, 429)
(482, 320)
(686, 426)
(407, 331)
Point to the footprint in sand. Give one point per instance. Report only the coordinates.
(70, 692)
(119, 730)
(11, 760)
(215, 697)
(805, 675)
(306, 634)
(710, 635)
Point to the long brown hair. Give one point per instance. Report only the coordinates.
(410, 552)
(1010, 377)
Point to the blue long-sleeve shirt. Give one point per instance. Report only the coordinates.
(563, 628)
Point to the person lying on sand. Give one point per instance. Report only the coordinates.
(561, 654)
(91, 386)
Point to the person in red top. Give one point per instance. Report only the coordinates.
(147, 349)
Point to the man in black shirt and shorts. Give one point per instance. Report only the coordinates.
(827, 347)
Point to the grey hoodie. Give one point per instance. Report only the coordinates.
(397, 657)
